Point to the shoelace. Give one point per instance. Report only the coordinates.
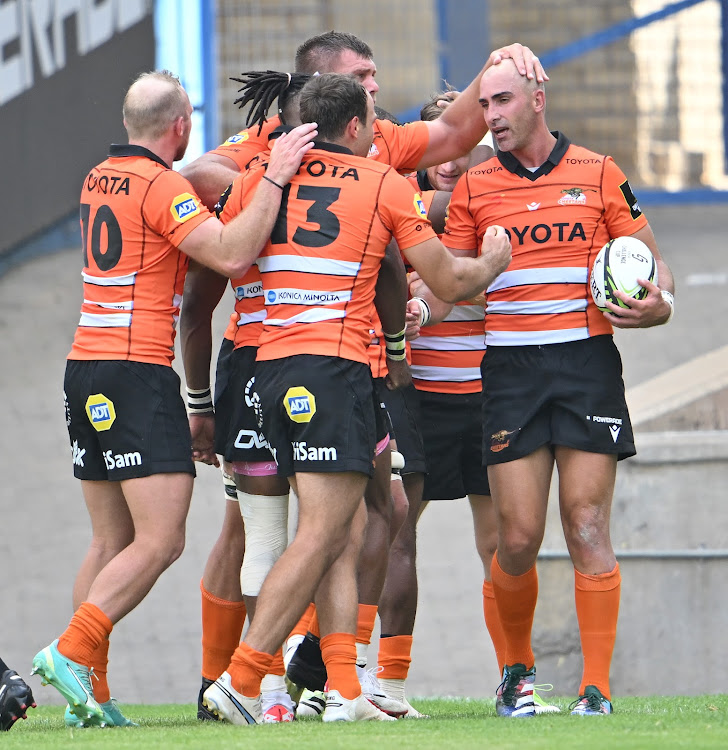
(592, 701)
(508, 687)
(370, 681)
(85, 678)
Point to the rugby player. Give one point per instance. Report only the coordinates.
(130, 440)
(314, 384)
(552, 381)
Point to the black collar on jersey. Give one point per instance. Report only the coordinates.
(423, 181)
(512, 164)
(321, 145)
(126, 149)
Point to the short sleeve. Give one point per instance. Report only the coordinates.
(460, 226)
(400, 146)
(172, 208)
(622, 211)
(403, 212)
(247, 144)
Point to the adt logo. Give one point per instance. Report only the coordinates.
(300, 404)
(237, 138)
(270, 297)
(100, 411)
(184, 207)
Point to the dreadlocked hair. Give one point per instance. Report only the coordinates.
(261, 88)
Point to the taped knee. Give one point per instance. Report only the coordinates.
(266, 537)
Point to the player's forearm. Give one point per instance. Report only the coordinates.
(203, 290)
(196, 345)
(242, 239)
(458, 130)
(391, 291)
(665, 277)
(469, 277)
(438, 309)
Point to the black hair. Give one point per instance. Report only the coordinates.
(261, 88)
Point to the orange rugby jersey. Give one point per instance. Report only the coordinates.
(400, 146)
(135, 211)
(241, 148)
(246, 322)
(320, 266)
(558, 218)
(248, 143)
(446, 356)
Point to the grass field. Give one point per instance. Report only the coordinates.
(644, 723)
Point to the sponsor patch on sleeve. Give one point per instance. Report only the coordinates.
(238, 138)
(184, 207)
(420, 206)
(634, 207)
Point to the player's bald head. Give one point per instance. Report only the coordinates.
(505, 77)
(152, 103)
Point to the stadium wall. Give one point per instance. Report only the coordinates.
(64, 68)
(641, 80)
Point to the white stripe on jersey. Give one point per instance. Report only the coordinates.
(92, 320)
(255, 317)
(532, 338)
(464, 313)
(314, 315)
(127, 305)
(292, 296)
(444, 374)
(526, 276)
(450, 343)
(538, 307)
(248, 291)
(127, 280)
(322, 266)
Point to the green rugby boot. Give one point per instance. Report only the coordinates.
(112, 715)
(73, 682)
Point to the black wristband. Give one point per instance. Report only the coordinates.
(273, 182)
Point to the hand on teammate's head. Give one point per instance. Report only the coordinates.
(525, 61)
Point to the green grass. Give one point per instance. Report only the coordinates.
(644, 723)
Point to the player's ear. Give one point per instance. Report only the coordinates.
(352, 127)
(539, 100)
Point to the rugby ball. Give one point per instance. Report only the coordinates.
(617, 266)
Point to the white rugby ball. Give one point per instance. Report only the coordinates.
(617, 266)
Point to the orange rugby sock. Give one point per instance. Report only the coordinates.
(313, 626)
(222, 626)
(339, 654)
(88, 629)
(100, 666)
(597, 610)
(493, 624)
(304, 624)
(276, 666)
(365, 620)
(247, 669)
(394, 657)
(516, 598)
